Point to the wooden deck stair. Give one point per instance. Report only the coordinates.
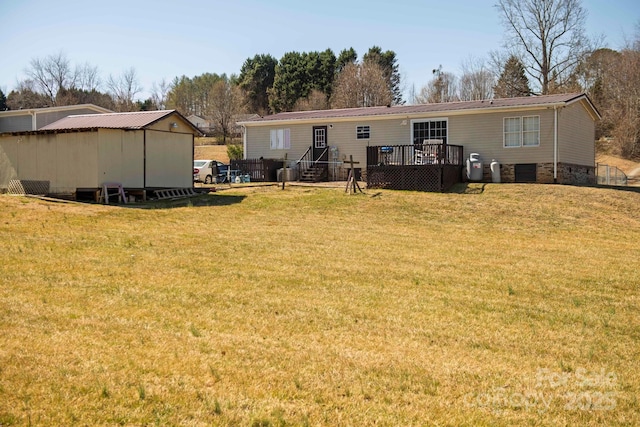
(312, 174)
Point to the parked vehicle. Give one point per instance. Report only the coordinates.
(209, 171)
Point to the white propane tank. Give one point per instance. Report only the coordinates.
(495, 171)
(474, 167)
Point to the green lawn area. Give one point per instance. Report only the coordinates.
(491, 305)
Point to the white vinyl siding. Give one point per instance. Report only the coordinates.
(576, 133)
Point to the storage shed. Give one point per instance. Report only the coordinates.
(141, 151)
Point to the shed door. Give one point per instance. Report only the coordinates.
(320, 147)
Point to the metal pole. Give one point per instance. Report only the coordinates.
(284, 170)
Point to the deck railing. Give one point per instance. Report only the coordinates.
(260, 170)
(415, 154)
(420, 167)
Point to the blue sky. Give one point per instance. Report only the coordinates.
(165, 39)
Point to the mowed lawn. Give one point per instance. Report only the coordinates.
(492, 305)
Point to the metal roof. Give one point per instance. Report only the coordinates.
(445, 107)
(44, 110)
(135, 120)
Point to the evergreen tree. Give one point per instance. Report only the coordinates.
(3, 101)
(290, 82)
(347, 56)
(388, 63)
(512, 82)
(256, 78)
(298, 74)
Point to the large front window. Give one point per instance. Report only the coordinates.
(430, 132)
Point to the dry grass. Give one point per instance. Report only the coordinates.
(498, 305)
(213, 152)
(625, 165)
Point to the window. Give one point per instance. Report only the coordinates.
(531, 131)
(430, 132)
(522, 131)
(320, 137)
(363, 132)
(512, 127)
(280, 139)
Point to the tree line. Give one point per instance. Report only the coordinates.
(545, 51)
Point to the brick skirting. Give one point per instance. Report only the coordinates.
(568, 173)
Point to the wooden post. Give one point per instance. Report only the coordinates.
(284, 170)
(352, 182)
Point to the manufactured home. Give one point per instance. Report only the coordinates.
(29, 119)
(139, 151)
(542, 139)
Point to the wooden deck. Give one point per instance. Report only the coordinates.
(420, 167)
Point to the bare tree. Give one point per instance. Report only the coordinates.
(623, 107)
(361, 85)
(123, 90)
(51, 74)
(225, 101)
(548, 36)
(87, 77)
(317, 100)
(476, 82)
(442, 88)
(160, 93)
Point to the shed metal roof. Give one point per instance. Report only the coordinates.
(445, 107)
(134, 120)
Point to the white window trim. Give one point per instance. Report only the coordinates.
(521, 133)
(280, 139)
(435, 119)
(537, 131)
(504, 133)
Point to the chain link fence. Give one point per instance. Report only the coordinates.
(610, 175)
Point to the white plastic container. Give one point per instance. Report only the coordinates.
(495, 171)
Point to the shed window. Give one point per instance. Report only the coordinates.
(363, 132)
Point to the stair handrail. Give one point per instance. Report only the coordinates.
(305, 160)
(315, 162)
